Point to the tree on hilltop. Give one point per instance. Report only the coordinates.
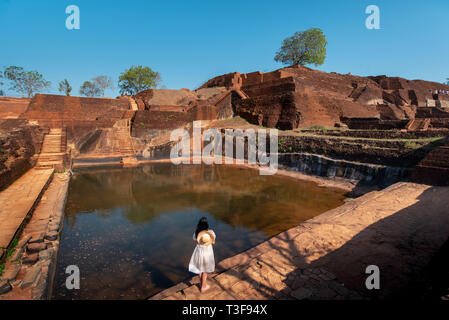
(103, 82)
(90, 89)
(96, 86)
(304, 47)
(137, 79)
(65, 87)
(25, 82)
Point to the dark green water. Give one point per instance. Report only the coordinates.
(130, 230)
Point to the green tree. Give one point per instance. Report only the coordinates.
(137, 79)
(447, 81)
(65, 87)
(90, 89)
(304, 47)
(25, 82)
(103, 82)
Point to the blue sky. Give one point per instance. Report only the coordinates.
(190, 41)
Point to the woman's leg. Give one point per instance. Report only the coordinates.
(204, 286)
(201, 281)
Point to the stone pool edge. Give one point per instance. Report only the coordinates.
(44, 289)
(302, 262)
(31, 269)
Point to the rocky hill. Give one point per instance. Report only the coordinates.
(299, 97)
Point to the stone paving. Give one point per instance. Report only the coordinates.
(29, 270)
(17, 201)
(398, 229)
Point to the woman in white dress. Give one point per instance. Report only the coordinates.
(202, 261)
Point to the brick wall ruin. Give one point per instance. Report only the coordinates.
(56, 109)
(12, 108)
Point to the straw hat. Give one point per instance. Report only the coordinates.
(205, 238)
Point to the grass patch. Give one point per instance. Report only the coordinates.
(60, 171)
(412, 145)
(234, 123)
(425, 143)
(13, 248)
(8, 255)
(434, 143)
(321, 128)
(282, 148)
(317, 127)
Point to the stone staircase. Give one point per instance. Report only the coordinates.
(133, 104)
(418, 124)
(410, 125)
(51, 156)
(242, 94)
(124, 140)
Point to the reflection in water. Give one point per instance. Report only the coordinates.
(130, 230)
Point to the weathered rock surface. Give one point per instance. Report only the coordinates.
(31, 276)
(37, 238)
(30, 258)
(11, 271)
(46, 254)
(19, 142)
(52, 235)
(4, 286)
(36, 247)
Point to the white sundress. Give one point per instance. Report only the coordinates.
(202, 259)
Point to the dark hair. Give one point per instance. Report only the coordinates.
(202, 225)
